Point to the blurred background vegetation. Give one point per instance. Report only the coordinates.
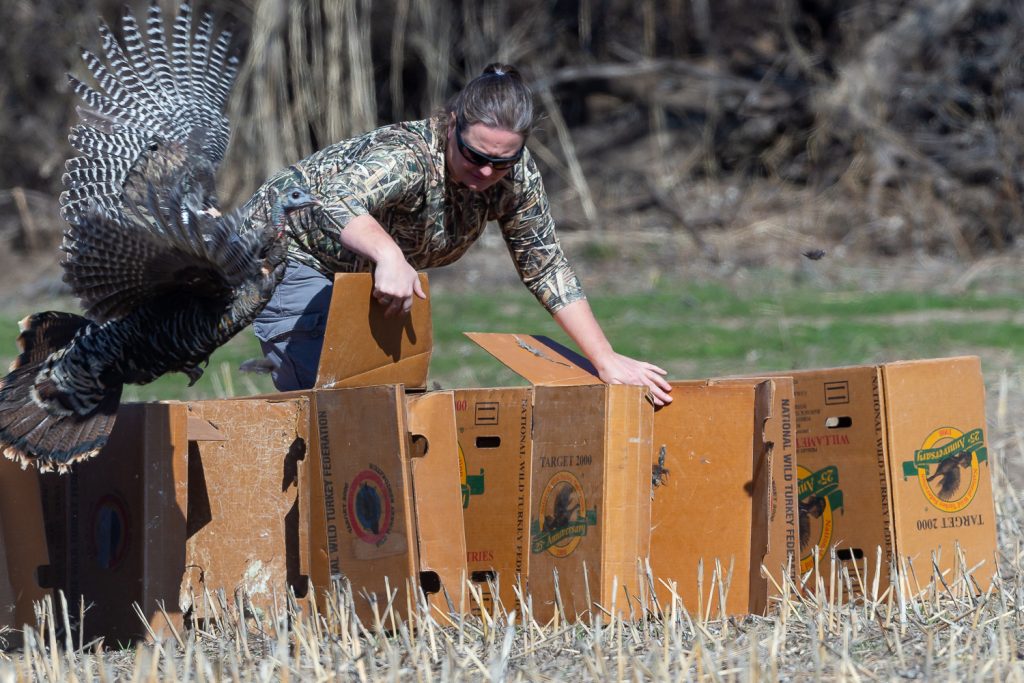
(880, 125)
(676, 136)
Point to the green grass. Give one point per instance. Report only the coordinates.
(702, 330)
(694, 330)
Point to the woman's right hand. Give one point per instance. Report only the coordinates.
(395, 283)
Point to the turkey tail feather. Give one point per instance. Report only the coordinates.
(44, 333)
(31, 434)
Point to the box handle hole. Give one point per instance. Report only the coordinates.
(841, 422)
(430, 582)
(849, 553)
(420, 446)
(488, 441)
(482, 577)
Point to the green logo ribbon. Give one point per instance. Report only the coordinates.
(824, 484)
(973, 442)
(542, 540)
(474, 486)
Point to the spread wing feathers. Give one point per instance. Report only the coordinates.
(116, 260)
(151, 101)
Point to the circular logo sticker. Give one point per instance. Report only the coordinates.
(564, 517)
(109, 531)
(815, 516)
(369, 506)
(947, 467)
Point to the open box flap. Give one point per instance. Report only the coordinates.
(434, 460)
(362, 347)
(940, 493)
(199, 429)
(537, 359)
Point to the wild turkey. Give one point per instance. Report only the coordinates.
(948, 474)
(814, 507)
(163, 277)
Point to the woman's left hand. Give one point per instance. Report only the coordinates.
(619, 369)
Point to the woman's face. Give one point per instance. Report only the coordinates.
(482, 139)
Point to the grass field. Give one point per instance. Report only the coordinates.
(768, 321)
(924, 627)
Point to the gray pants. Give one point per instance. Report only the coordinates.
(291, 327)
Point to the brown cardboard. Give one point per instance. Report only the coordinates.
(7, 595)
(242, 522)
(362, 524)
(362, 347)
(397, 456)
(783, 554)
(23, 537)
(782, 557)
(871, 441)
(436, 481)
(183, 498)
(935, 415)
(367, 362)
(495, 463)
(537, 359)
(590, 489)
(719, 492)
(116, 522)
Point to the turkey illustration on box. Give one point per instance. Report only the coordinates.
(163, 276)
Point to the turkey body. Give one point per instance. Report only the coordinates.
(163, 276)
(197, 282)
(172, 333)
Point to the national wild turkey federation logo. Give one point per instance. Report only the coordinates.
(820, 496)
(942, 462)
(370, 506)
(564, 517)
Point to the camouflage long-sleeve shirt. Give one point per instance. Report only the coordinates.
(397, 174)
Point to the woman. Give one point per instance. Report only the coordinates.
(416, 195)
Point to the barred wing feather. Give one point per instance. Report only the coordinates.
(119, 259)
(152, 105)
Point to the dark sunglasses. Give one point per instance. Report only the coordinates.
(480, 159)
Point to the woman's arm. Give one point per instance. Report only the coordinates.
(394, 280)
(579, 323)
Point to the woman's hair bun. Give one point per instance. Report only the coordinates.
(499, 69)
(498, 97)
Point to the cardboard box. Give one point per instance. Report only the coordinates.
(243, 533)
(116, 522)
(590, 489)
(783, 556)
(895, 456)
(363, 348)
(436, 483)
(399, 458)
(22, 544)
(723, 493)
(495, 429)
(184, 498)
(372, 523)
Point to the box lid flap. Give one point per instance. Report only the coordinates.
(435, 463)
(538, 359)
(362, 347)
(198, 429)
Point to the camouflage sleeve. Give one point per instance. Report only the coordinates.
(384, 174)
(529, 232)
